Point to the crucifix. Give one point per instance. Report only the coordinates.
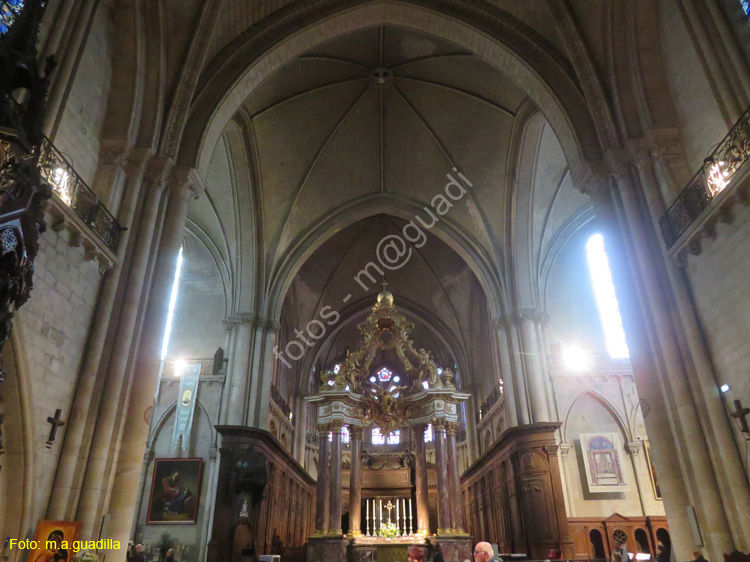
(389, 507)
(56, 422)
(740, 413)
(384, 284)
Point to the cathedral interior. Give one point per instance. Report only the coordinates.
(332, 279)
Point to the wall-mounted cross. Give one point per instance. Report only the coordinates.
(740, 413)
(56, 422)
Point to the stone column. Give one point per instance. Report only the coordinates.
(265, 374)
(102, 456)
(146, 371)
(334, 498)
(506, 371)
(722, 448)
(633, 449)
(443, 488)
(420, 477)
(523, 410)
(542, 338)
(239, 365)
(686, 478)
(321, 497)
(526, 319)
(454, 485)
(355, 482)
(471, 426)
(85, 408)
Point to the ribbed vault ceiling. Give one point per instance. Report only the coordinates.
(328, 133)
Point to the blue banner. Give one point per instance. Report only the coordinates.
(183, 418)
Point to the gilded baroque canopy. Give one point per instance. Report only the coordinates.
(354, 393)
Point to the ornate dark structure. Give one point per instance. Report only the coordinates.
(23, 193)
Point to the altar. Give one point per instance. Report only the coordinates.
(415, 393)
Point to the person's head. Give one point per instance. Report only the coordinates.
(483, 552)
(139, 547)
(170, 552)
(697, 554)
(617, 556)
(415, 554)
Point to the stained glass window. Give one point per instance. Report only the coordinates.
(384, 374)
(378, 439)
(428, 433)
(9, 10)
(745, 7)
(344, 434)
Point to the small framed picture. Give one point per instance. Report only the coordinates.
(175, 491)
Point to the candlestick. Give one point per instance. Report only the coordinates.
(398, 522)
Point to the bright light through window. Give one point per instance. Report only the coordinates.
(428, 433)
(172, 302)
(344, 434)
(606, 301)
(378, 438)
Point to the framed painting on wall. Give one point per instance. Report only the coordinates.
(55, 541)
(601, 458)
(652, 470)
(175, 491)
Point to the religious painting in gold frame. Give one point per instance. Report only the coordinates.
(175, 491)
(55, 541)
(652, 470)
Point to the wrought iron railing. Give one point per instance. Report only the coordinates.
(715, 174)
(280, 402)
(68, 185)
(489, 403)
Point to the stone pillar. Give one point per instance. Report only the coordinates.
(443, 491)
(686, 478)
(523, 410)
(722, 449)
(85, 409)
(471, 427)
(92, 503)
(355, 482)
(454, 485)
(506, 371)
(265, 375)
(542, 338)
(300, 428)
(239, 366)
(144, 375)
(321, 497)
(633, 449)
(334, 498)
(526, 319)
(420, 477)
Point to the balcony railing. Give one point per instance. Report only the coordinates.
(489, 403)
(280, 402)
(715, 174)
(68, 185)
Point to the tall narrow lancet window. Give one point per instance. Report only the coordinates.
(745, 7)
(606, 301)
(172, 302)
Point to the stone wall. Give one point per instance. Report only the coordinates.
(54, 325)
(188, 540)
(724, 309)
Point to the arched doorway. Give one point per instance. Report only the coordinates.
(597, 545)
